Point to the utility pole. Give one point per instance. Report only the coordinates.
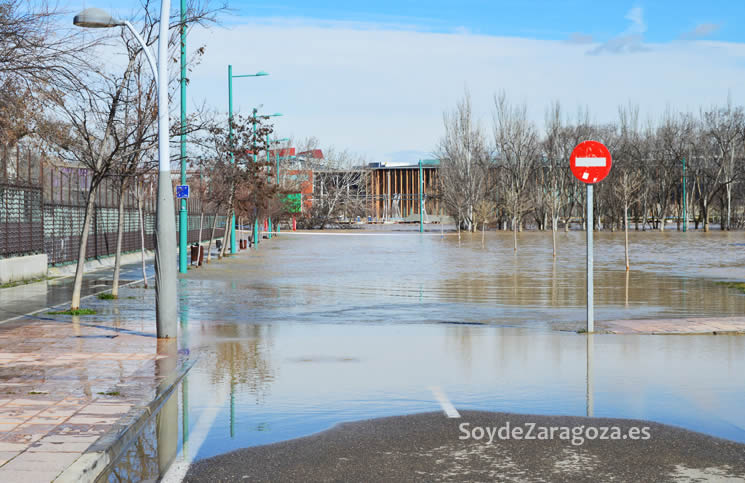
(268, 161)
(256, 208)
(421, 203)
(685, 213)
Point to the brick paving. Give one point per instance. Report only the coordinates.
(714, 325)
(66, 381)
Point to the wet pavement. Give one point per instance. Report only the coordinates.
(18, 301)
(67, 381)
(712, 325)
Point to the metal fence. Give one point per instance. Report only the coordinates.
(43, 210)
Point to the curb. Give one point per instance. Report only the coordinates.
(109, 447)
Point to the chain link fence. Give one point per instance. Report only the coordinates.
(43, 210)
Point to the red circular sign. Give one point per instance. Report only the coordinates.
(590, 162)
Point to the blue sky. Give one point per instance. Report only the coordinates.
(540, 19)
(376, 77)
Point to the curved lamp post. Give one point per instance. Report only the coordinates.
(166, 308)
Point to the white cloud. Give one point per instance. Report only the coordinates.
(701, 30)
(580, 38)
(631, 40)
(381, 92)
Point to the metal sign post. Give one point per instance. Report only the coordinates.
(590, 288)
(590, 163)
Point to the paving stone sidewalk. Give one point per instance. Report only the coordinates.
(66, 381)
(700, 325)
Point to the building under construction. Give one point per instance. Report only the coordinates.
(381, 192)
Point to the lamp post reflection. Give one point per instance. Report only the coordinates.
(166, 421)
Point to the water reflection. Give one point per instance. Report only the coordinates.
(318, 331)
(590, 397)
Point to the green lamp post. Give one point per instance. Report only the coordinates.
(256, 218)
(233, 247)
(276, 174)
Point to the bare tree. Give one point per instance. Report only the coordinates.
(464, 161)
(725, 126)
(517, 148)
(338, 189)
(557, 149)
(626, 179)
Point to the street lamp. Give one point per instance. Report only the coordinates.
(166, 309)
(261, 73)
(276, 174)
(256, 219)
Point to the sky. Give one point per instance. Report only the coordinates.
(376, 77)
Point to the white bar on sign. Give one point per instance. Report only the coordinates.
(589, 162)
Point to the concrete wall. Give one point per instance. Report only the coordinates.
(17, 269)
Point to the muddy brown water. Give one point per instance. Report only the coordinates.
(314, 329)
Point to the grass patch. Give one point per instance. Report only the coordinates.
(110, 393)
(25, 282)
(131, 297)
(74, 312)
(582, 331)
(107, 296)
(38, 392)
(736, 285)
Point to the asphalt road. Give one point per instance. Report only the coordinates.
(426, 447)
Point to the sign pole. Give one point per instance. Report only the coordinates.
(590, 163)
(589, 223)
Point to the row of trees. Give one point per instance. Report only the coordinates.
(522, 176)
(57, 95)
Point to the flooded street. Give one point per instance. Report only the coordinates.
(312, 330)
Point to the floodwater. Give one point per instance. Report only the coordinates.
(315, 329)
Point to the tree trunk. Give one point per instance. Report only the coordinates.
(626, 233)
(142, 238)
(483, 229)
(554, 227)
(78, 284)
(212, 236)
(514, 232)
(226, 235)
(705, 213)
(119, 234)
(201, 225)
(728, 189)
(458, 223)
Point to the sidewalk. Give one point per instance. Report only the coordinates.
(66, 381)
(690, 326)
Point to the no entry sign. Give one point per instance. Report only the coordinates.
(590, 162)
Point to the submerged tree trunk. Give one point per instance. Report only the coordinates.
(226, 235)
(212, 235)
(514, 233)
(483, 229)
(78, 284)
(554, 227)
(626, 233)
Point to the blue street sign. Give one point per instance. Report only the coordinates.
(182, 191)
